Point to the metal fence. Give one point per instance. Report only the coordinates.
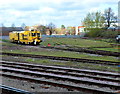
(50, 36)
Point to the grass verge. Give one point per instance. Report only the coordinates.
(64, 54)
(63, 63)
(75, 42)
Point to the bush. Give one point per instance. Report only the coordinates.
(94, 32)
(99, 32)
(109, 34)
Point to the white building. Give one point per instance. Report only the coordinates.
(79, 30)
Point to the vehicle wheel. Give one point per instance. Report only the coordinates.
(13, 40)
(18, 41)
(35, 42)
(38, 43)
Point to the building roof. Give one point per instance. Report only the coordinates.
(5, 29)
(81, 26)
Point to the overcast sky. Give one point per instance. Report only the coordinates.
(66, 12)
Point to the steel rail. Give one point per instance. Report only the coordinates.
(68, 78)
(63, 58)
(85, 50)
(64, 73)
(94, 72)
(63, 85)
(12, 90)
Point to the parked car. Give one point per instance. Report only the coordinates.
(118, 38)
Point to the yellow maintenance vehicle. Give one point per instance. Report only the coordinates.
(26, 37)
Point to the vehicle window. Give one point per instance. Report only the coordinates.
(38, 34)
(33, 34)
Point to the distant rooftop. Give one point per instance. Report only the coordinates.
(4, 31)
(11, 29)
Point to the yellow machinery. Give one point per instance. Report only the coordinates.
(26, 37)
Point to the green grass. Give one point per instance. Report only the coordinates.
(109, 40)
(15, 48)
(114, 49)
(81, 43)
(8, 43)
(63, 63)
(75, 42)
(4, 40)
(74, 64)
(64, 54)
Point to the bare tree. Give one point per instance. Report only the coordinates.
(42, 29)
(23, 25)
(13, 26)
(109, 17)
(51, 28)
(2, 25)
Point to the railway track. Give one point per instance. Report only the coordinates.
(85, 50)
(71, 78)
(11, 90)
(64, 58)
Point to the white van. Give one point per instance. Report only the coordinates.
(118, 38)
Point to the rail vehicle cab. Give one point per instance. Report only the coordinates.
(26, 37)
(35, 37)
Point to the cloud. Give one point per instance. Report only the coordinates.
(67, 12)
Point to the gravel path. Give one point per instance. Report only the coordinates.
(36, 87)
(30, 86)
